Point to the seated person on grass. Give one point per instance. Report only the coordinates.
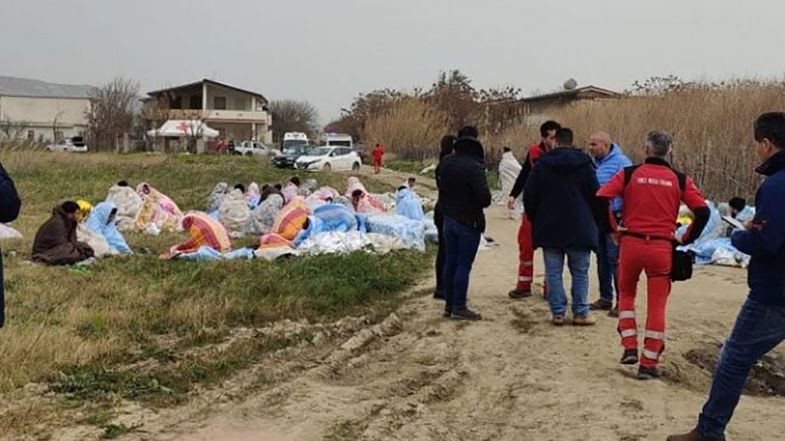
(55, 243)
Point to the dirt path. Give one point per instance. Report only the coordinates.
(417, 376)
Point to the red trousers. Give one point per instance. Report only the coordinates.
(654, 258)
(525, 256)
(377, 165)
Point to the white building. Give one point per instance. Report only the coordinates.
(237, 114)
(33, 109)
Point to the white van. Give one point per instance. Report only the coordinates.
(338, 140)
(294, 139)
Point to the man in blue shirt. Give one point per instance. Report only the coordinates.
(609, 160)
(760, 326)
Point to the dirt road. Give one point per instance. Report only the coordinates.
(417, 376)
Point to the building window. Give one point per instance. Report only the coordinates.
(196, 102)
(175, 103)
(219, 103)
(31, 135)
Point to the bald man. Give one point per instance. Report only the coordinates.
(609, 160)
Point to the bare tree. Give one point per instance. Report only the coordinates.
(111, 112)
(294, 116)
(55, 124)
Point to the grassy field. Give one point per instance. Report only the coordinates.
(76, 330)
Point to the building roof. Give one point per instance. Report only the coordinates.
(605, 93)
(208, 81)
(13, 86)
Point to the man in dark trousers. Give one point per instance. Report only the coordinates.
(652, 195)
(561, 205)
(463, 194)
(525, 249)
(9, 210)
(760, 326)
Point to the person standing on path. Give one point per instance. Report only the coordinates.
(652, 194)
(525, 249)
(463, 194)
(10, 204)
(609, 160)
(760, 326)
(561, 205)
(447, 146)
(509, 169)
(378, 155)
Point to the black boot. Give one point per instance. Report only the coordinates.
(465, 314)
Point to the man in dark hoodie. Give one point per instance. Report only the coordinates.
(9, 210)
(560, 201)
(463, 194)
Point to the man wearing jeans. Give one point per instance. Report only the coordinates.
(560, 202)
(609, 160)
(760, 326)
(463, 194)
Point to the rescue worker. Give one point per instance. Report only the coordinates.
(525, 247)
(652, 195)
(378, 155)
(609, 160)
(760, 326)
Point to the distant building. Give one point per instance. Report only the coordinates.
(539, 104)
(237, 114)
(33, 109)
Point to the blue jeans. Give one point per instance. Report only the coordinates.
(578, 262)
(461, 248)
(758, 329)
(607, 265)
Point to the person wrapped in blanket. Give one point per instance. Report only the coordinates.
(362, 201)
(203, 231)
(128, 203)
(253, 195)
(159, 211)
(234, 212)
(408, 204)
(102, 221)
(55, 242)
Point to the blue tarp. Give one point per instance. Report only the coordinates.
(411, 232)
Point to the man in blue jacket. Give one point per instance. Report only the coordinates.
(609, 160)
(560, 201)
(9, 210)
(760, 326)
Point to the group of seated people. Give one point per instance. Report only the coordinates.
(77, 231)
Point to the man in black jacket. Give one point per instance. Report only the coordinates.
(9, 210)
(463, 194)
(560, 202)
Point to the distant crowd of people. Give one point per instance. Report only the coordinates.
(575, 203)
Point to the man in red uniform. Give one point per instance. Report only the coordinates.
(525, 249)
(378, 154)
(652, 194)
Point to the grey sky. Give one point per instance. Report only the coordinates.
(327, 51)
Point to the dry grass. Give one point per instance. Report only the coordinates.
(410, 128)
(119, 311)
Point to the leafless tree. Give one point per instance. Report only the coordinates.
(294, 116)
(111, 112)
(12, 130)
(55, 124)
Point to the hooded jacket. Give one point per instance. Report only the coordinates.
(56, 244)
(463, 187)
(559, 201)
(608, 166)
(765, 242)
(9, 210)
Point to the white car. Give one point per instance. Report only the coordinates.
(329, 159)
(255, 148)
(71, 145)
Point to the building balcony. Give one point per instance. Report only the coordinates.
(258, 117)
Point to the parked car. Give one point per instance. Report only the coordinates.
(329, 159)
(254, 148)
(290, 154)
(75, 144)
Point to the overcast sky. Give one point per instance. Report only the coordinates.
(327, 51)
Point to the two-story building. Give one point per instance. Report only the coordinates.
(237, 114)
(37, 110)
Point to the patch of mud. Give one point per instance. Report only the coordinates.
(766, 379)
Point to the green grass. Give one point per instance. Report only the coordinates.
(79, 331)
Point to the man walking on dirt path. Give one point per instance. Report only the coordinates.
(760, 326)
(561, 205)
(9, 210)
(463, 194)
(609, 160)
(652, 195)
(378, 155)
(525, 248)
